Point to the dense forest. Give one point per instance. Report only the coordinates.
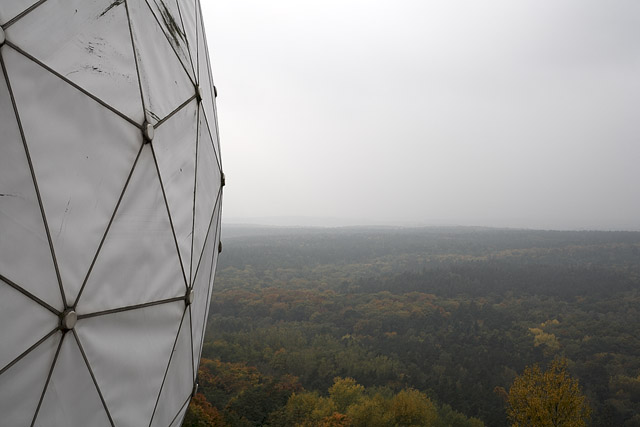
(435, 319)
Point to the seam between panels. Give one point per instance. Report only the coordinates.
(208, 60)
(166, 204)
(184, 31)
(193, 369)
(206, 49)
(215, 121)
(35, 181)
(93, 377)
(213, 214)
(207, 301)
(46, 384)
(106, 231)
(27, 351)
(197, 11)
(164, 378)
(69, 82)
(195, 189)
(19, 16)
(29, 295)
(178, 108)
(135, 58)
(215, 152)
(215, 207)
(180, 410)
(129, 308)
(168, 41)
(212, 86)
(217, 129)
(205, 315)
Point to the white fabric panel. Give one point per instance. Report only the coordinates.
(207, 186)
(128, 277)
(18, 336)
(205, 82)
(128, 353)
(22, 385)
(70, 384)
(76, 47)
(81, 153)
(9, 9)
(25, 256)
(105, 211)
(189, 13)
(165, 83)
(167, 13)
(178, 383)
(178, 421)
(201, 289)
(175, 148)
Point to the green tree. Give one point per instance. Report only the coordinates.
(547, 399)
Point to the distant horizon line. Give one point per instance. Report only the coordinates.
(334, 222)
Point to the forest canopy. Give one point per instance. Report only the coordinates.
(449, 313)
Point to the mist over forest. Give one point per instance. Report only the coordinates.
(444, 317)
(437, 120)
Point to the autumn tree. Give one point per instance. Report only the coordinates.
(371, 412)
(547, 399)
(412, 408)
(202, 414)
(306, 409)
(345, 392)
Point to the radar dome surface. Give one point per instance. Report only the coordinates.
(110, 201)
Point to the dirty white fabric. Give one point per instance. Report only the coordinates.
(110, 202)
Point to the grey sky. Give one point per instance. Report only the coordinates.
(500, 113)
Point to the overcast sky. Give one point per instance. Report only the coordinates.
(429, 112)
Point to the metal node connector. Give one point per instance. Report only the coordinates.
(68, 320)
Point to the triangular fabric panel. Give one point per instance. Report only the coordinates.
(165, 83)
(14, 305)
(205, 83)
(25, 255)
(128, 353)
(9, 9)
(207, 189)
(22, 385)
(201, 289)
(178, 383)
(80, 178)
(76, 48)
(168, 14)
(175, 148)
(178, 421)
(141, 224)
(71, 383)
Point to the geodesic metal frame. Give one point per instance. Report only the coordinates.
(110, 200)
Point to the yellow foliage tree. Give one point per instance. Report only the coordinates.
(547, 399)
(308, 408)
(548, 341)
(345, 392)
(371, 412)
(413, 408)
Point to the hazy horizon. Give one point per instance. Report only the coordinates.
(497, 113)
(336, 222)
